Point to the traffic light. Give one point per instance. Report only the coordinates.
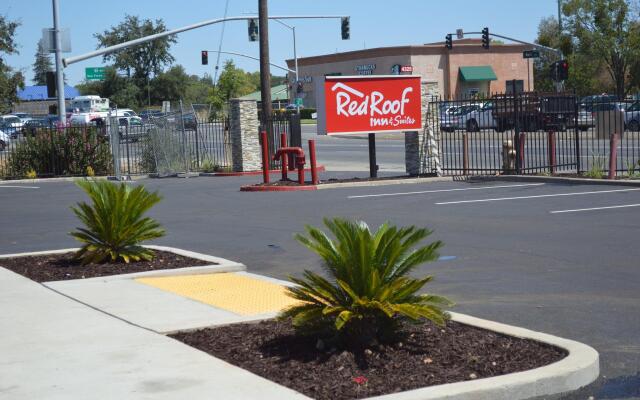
(205, 57)
(448, 42)
(253, 29)
(559, 71)
(485, 38)
(346, 34)
(563, 70)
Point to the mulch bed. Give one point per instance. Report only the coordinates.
(425, 356)
(60, 267)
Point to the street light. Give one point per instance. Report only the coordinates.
(295, 57)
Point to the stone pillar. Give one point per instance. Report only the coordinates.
(421, 148)
(245, 139)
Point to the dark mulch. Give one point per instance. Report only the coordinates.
(61, 267)
(425, 356)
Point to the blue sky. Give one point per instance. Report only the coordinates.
(374, 23)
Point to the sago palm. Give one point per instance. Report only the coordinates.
(368, 288)
(114, 223)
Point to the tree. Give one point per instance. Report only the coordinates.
(142, 61)
(10, 81)
(41, 65)
(232, 83)
(606, 30)
(584, 71)
(171, 85)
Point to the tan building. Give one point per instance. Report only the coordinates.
(464, 71)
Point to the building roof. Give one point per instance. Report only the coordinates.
(462, 46)
(478, 73)
(278, 93)
(33, 93)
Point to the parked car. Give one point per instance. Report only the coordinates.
(132, 128)
(456, 118)
(12, 120)
(4, 140)
(532, 111)
(632, 117)
(587, 113)
(480, 117)
(24, 117)
(148, 114)
(29, 128)
(7, 128)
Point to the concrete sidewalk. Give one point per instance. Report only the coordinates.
(54, 347)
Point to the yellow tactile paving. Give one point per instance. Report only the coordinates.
(239, 294)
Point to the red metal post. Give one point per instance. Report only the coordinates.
(284, 158)
(265, 157)
(465, 153)
(523, 139)
(613, 155)
(312, 161)
(552, 152)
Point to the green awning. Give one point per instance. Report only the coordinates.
(278, 93)
(478, 73)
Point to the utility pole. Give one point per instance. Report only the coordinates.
(265, 75)
(560, 17)
(62, 112)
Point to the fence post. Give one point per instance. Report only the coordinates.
(516, 135)
(552, 151)
(265, 156)
(244, 130)
(613, 155)
(284, 158)
(312, 161)
(521, 147)
(577, 134)
(465, 153)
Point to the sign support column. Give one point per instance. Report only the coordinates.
(62, 112)
(373, 166)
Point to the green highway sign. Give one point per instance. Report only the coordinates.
(531, 54)
(298, 101)
(94, 73)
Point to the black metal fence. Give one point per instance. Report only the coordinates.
(536, 133)
(288, 123)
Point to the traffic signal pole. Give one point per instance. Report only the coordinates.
(72, 60)
(62, 112)
(265, 74)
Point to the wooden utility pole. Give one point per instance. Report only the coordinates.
(265, 75)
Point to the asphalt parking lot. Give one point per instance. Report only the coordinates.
(551, 257)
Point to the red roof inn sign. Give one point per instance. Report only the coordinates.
(366, 104)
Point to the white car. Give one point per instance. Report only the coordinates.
(632, 117)
(479, 117)
(12, 121)
(4, 140)
(132, 128)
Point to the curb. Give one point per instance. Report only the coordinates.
(319, 168)
(386, 182)
(253, 188)
(383, 182)
(579, 368)
(556, 179)
(71, 179)
(220, 264)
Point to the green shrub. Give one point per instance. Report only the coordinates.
(596, 171)
(61, 152)
(305, 113)
(114, 222)
(368, 291)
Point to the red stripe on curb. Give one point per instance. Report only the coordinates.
(320, 168)
(253, 188)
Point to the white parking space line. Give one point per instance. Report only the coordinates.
(20, 187)
(444, 190)
(594, 208)
(538, 196)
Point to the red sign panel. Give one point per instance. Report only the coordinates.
(372, 104)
